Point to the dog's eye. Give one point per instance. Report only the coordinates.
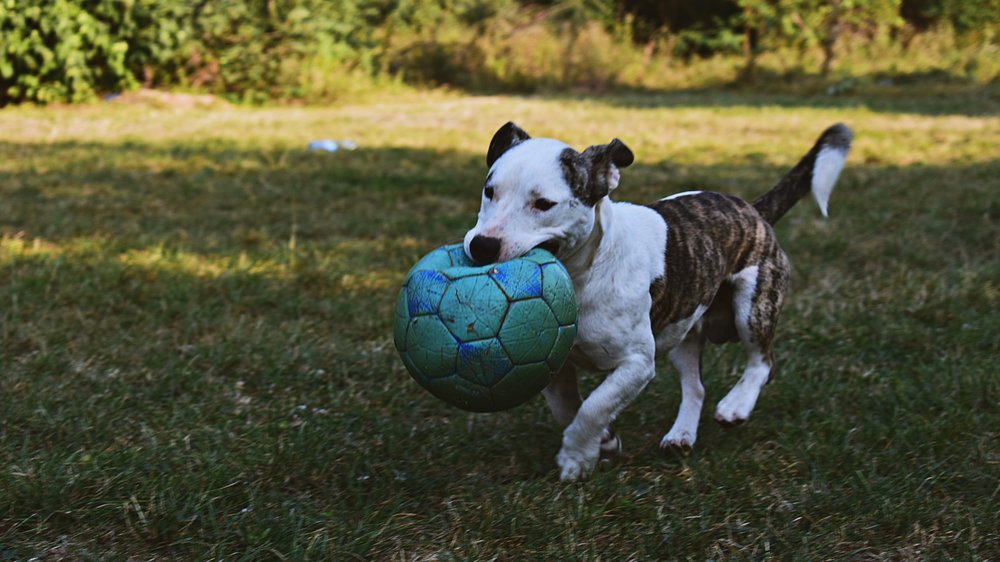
(543, 204)
(488, 192)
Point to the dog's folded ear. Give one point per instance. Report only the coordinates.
(604, 161)
(504, 139)
(620, 154)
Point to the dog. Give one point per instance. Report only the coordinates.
(666, 278)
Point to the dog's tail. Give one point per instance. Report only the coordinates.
(816, 172)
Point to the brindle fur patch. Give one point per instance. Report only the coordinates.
(587, 173)
(710, 237)
(577, 175)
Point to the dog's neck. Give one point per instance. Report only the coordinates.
(580, 258)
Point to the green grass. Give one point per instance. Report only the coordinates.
(196, 357)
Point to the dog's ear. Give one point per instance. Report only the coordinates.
(603, 161)
(506, 137)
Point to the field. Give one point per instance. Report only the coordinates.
(196, 358)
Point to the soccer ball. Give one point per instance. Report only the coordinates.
(485, 338)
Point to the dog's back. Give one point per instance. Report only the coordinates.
(710, 237)
(715, 240)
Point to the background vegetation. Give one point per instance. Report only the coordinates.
(318, 50)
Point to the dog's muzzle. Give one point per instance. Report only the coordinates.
(484, 250)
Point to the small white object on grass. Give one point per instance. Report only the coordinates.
(329, 145)
(325, 145)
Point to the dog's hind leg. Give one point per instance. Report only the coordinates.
(757, 297)
(686, 358)
(735, 408)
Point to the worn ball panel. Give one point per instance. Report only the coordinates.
(402, 319)
(465, 394)
(540, 257)
(431, 346)
(483, 362)
(528, 379)
(519, 279)
(424, 290)
(529, 331)
(557, 290)
(442, 258)
(560, 349)
(485, 338)
(473, 308)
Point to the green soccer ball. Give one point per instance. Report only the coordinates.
(485, 338)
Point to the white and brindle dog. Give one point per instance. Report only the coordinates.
(650, 280)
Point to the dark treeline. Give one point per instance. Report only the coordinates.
(255, 50)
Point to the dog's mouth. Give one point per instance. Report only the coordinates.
(552, 246)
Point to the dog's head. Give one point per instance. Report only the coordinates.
(540, 192)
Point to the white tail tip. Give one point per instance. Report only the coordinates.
(826, 170)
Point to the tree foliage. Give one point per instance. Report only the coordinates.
(73, 50)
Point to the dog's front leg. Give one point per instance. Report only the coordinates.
(581, 444)
(563, 397)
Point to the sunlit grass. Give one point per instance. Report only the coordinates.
(196, 359)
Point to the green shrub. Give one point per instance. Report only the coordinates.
(57, 51)
(318, 50)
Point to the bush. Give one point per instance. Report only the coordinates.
(72, 50)
(57, 51)
(257, 50)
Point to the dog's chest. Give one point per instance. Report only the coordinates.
(608, 326)
(613, 293)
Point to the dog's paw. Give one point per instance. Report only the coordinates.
(733, 410)
(611, 444)
(575, 464)
(612, 453)
(678, 439)
(729, 422)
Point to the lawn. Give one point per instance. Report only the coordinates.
(196, 357)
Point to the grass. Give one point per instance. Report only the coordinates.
(196, 359)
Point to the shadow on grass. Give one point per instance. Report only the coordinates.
(926, 92)
(221, 201)
(216, 197)
(922, 93)
(206, 243)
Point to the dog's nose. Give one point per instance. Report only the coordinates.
(484, 249)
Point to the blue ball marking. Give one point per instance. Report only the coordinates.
(424, 290)
(456, 252)
(519, 279)
(483, 361)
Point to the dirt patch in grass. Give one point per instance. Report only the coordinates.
(169, 100)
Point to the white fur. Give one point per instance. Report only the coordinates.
(613, 252)
(686, 358)
(612, 338)
(681, 194)
(736, 406)
(509, 216)
(829, 163)
(614, 177)
(744, 285)
(673, 334)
